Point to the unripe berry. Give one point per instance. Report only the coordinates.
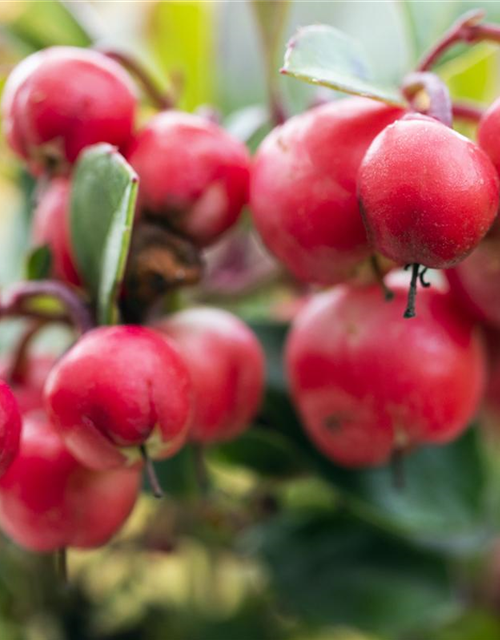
(369, 384)
(116, 389)
(193, 175)
(488, 133)
(428, 194)
(10, 427)
(58, 101)
(49, 501)
(51, 227)
(226, 364)
(303, 188)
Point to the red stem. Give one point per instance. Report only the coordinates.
(160, 100)
(465, 111)
(466, 29)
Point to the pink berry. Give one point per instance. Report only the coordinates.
(226, 364)
(303, 188)
(193, 175)
(60, 100)
(117, 389)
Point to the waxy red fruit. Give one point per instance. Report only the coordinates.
(51, 227)
(303, 188)
(428, 194)
(369, 384)
(116, 389)
(49, 501)
(10, 427)
(193, 175)
(475, 281)
(60, 100)
(226, 364)
(488, 133)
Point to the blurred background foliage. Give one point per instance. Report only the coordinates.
(280, 543)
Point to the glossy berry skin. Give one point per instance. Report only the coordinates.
(488, 133)
(193, 175)
(428, 194)
(303, 188)
(226, 365)
(10, 427)
(51, 227)
(49, 501)
(474, 282)
(369, 383)
(116, 389)
(62, 99)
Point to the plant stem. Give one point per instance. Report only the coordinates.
(412, 292)
(200, 469)
(19, 359)
(466, 111)
(467, 28)
(439, 106)
(158, 98)
(151, 473)
(61, 561)
(379, 277)
(397, 469)
(77, 311)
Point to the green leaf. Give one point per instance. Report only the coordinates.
(265, 452)
(44, 24)
(103, 200)
(39, 263)
(322, 55)
(180, 38)
(474, 75)
(332, 569)
(444, 500)
(472, 625)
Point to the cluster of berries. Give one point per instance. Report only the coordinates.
(356, 184)
(75, 432)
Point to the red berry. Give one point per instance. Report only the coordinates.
(303, 188)
(116, 389)
(474, 282)
(488, 133)
(51, 227)
(368, 383)
(49, 501)
(10, 427)
(226, 364)
(193, 175)
(58, 101)
(428, 194)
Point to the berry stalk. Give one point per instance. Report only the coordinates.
(468, 29)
